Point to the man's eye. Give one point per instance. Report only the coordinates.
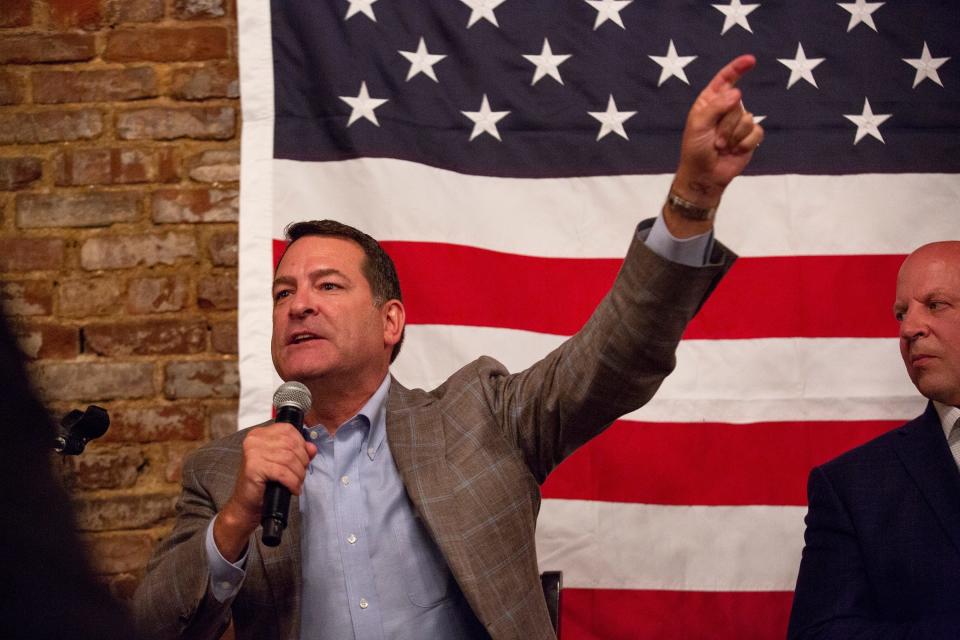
(329, 286)
(283, 293)
(898, 315)
(934, 305)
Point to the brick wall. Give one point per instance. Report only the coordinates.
(119, 158)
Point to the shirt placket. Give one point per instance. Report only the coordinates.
(352, 538)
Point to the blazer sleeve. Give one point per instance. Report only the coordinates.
(833, 597)
(174, 599)
(613, 365)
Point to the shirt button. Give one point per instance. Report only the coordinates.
(344, 480)
(314, 435)
(226, 585)
(352, 539)
(370, 452)
(363, 603)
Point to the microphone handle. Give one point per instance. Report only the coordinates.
(276, 497)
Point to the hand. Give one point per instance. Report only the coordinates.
(277, 452)
(719, 138)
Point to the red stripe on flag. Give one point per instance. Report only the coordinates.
(796, 296)
(705, 463)
(608, 614)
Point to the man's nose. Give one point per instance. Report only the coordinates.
(301, 304)
(914, 322)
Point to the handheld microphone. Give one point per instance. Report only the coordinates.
(291, 400)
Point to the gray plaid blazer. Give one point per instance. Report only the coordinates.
(472, 454)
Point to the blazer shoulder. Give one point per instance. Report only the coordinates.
(217, 454)
(879, 449)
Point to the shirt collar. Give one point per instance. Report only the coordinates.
(948, 416)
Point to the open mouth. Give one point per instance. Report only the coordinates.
(301, 337)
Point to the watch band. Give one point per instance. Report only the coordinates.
(688, 210)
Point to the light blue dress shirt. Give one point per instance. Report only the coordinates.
(370, 568)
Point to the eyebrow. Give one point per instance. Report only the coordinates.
(313, 275)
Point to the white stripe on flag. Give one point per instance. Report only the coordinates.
(611, 545)
(737, 381)
(593, 217)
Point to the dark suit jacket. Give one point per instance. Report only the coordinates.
(882, 556)
(472, 454)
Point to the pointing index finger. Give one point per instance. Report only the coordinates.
(728, 77)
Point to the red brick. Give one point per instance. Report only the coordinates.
(223, 337)
(75, 14)
(119, 551)
(89, 296)
(97, 85)
(156, 424)
(150, 337)
(27, 297)
(223, 249)
(223, 423)
(202, 123)
(113, 165)
(203, 379)
(84, 209)
(36, 47)
(220, 165)
(156, 295)
(93, 381)
(104, 467)
(196, 205)
(16, 13)
(19, 172)
(217, 291)
(166, 44)
(119, 510)
(189, 9)
(119, 11)
(173, 455)
(211, 80)
(11, 88)
(123, 252)
(49, 341)
(31, 254)
(50, 126)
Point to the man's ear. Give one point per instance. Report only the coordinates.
(394, 319)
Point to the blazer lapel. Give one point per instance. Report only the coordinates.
(924, 452)
(416, 437)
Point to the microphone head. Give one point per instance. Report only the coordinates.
(292, 394)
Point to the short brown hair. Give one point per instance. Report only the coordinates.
(377, 267)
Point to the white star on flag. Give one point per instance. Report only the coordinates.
(608, 10)
(672, 64)
(736, 14)
(360, 6)
(485, 120)
(612, 120)
(547, 63)
(860, 11)
(926, 66)
(482, 9)
(801, 67)
(422, 61)
(868, 122)
(362, 106)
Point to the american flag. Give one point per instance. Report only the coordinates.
(503, 151)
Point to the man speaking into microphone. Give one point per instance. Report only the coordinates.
(416, 510)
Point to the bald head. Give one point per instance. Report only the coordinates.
(928, 310)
